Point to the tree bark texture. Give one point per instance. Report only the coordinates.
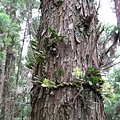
(2, 69)
(7, 96)
(78, 49)
(117, 11)
(63, 104)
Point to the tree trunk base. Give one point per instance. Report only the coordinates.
(66, 103)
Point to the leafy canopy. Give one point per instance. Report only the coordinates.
(4, 22)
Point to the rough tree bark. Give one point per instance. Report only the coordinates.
(7, 96)
(78, 20)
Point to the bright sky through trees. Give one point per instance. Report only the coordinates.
(106, 12)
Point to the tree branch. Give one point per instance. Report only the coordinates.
(110, 66)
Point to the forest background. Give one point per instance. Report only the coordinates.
(19, 22)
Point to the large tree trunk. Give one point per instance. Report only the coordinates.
(61, 105)
(78, 20)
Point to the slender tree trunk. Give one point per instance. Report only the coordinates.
(78, 49)
(1, 82)
(117, 11)
(7, 95)
(2, 70)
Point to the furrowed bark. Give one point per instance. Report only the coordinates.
(78, 49)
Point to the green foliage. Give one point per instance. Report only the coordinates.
(109, 110)
(15, 27)
(13, 30)
(113, 85)
(51, 30)
(38, 79)
(4, 28)
(108, 30)
(8, 30)
(33, 43)
(63, 36)
(108, 91)
(2, 10)
(4, 22)
(53, 38)
(47, 83)
(55, 35)
(77, 72)
(5, 1)
(30, 63)
(93, 76)
(26, 110)
(10, 41)
(46, 41)
(60, 71)
(2, 57)
(91, 69)
(39, 56)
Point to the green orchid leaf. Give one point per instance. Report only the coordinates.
(48, 83)
(90, 107)
(91, 69)
(33, 42)
(40, 58)
(63, 37)
(51, 30)
(28, 65)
